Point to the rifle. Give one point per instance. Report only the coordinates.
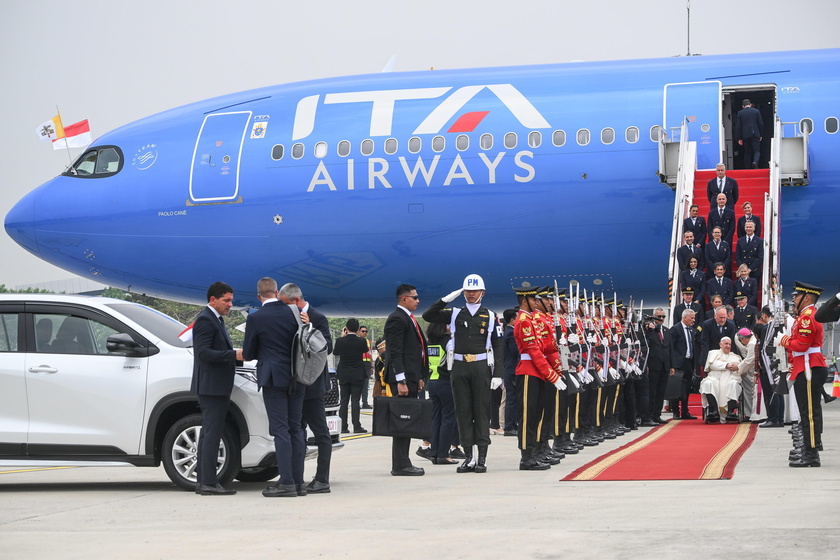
(777, 354)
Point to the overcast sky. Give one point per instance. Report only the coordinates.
(114, 62)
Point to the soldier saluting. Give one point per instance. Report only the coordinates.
(476, 338)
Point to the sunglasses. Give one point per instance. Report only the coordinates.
(413, 297)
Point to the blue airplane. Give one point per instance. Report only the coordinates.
(351, 186)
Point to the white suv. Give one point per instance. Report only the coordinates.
(98, 381)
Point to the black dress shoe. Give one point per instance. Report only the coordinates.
(281, 491)
(367, 407)
(444, 461)
(648, 424)
(318, 487)
(409, 471)
(688, 416)
(829, 398)
(511, 433)
(731, 417)
(769, 424)
(300, 489)
(360, 430)
(214, 490)
(456, 453)
(345, 431)
(426, 453)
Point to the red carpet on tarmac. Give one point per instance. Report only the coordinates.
(678, 450)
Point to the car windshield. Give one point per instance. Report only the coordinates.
(160, 324)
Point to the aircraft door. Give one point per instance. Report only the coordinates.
(700, 104)
(214, 176)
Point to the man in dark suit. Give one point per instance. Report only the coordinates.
(314, 413)
(724, 217)
(406, 366)
(829, 312)
(774, 403)
(720, 285)
(269, 336)
(722, 185)
(750, 251)
(716, 251)
(688, 302)
(748, 126)
(352, 371)
(689, 249)
(696, 224)
(683, 336)
(745, 314)
(214, 367)
(712, 331)
(658, 363)
(748, 217)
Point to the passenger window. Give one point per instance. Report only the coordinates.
(535, 139)
(631, 135)
(657, 133)
(320, 149)
(583, 137)
(831, 125)
(68, 334)
(462, 142)
(344, 148)
(511, 140)
(806, 126)
(558, 138)
(277, 152)
(414, 144)
(391, 146)
(8, 332)
(486, 141)
(438, 143)
(607, 136)
(367, 147)
(297, 150)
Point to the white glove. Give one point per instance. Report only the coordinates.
(574, 339)
(563, 341)
(603, 374)
(614, 374)
(590, 338)
(451, 297)
(606, 340)
(778, 340)
(585, 376)
(574, 382)
(560, 385)
(623, 365)
(495, 383)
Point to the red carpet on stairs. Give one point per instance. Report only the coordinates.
(678, 450)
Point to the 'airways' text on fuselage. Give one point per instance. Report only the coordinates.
(383, 173)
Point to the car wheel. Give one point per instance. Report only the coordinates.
(180, 457)
(256, 474)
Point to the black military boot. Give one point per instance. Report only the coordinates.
(529, 463)
(481, 462)
(810, 458)
(466, 466)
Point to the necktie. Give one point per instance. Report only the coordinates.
(661, 338)
(720, 185)
(688, 340)
(419, 336)
(224, 330)
(720, 212)
(749, 239)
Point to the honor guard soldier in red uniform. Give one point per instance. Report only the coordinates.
(550, 425)
(533, 370)
(808, 371)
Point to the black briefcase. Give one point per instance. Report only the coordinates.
(402, 417)
(675, 388)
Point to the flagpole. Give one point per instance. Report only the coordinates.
(66, 144)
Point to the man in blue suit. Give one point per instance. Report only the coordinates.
(717, 251)
(720, 285)
(696, 224)
(748, 126)
(724, 217)
(314, 413)
(269, 335)
(683, 337)
(690, 249)
(214, 367)
(751, 251)
(722, 184)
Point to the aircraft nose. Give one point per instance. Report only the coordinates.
(20, 223)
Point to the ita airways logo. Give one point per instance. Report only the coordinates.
(450, 103)
(145, 157)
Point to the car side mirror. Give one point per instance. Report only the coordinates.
(122, 343)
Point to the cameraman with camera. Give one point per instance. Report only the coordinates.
(659, 362)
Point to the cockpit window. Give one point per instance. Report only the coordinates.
(102, 161)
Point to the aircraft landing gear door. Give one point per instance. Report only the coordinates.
(700, 104)
(214, 177)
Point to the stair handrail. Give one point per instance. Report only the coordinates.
(772, 199)
(683, 199)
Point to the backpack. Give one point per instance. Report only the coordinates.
(309, 352)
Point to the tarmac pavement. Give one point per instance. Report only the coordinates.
(768, 510)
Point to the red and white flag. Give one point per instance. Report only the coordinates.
(186, 334)
(76, 135)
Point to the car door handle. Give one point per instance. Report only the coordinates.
(42, 369)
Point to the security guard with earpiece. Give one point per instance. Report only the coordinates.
(476, 340)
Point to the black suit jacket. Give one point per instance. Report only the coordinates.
(726, 223)
(214, 361)
(714, 287)
(745, 317)
(695, 306)
(322, 384)
(748, 288)
(269, 334)
(743, 220)
(730, 189)
(697, 282)
(679, 346)
(698, 228)
(710, 336)
(750, 254)
(722, 254)
(406, 353)
(659, 351)
(748, 124)
(685, 252)
(350, 350)
(829, 312)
